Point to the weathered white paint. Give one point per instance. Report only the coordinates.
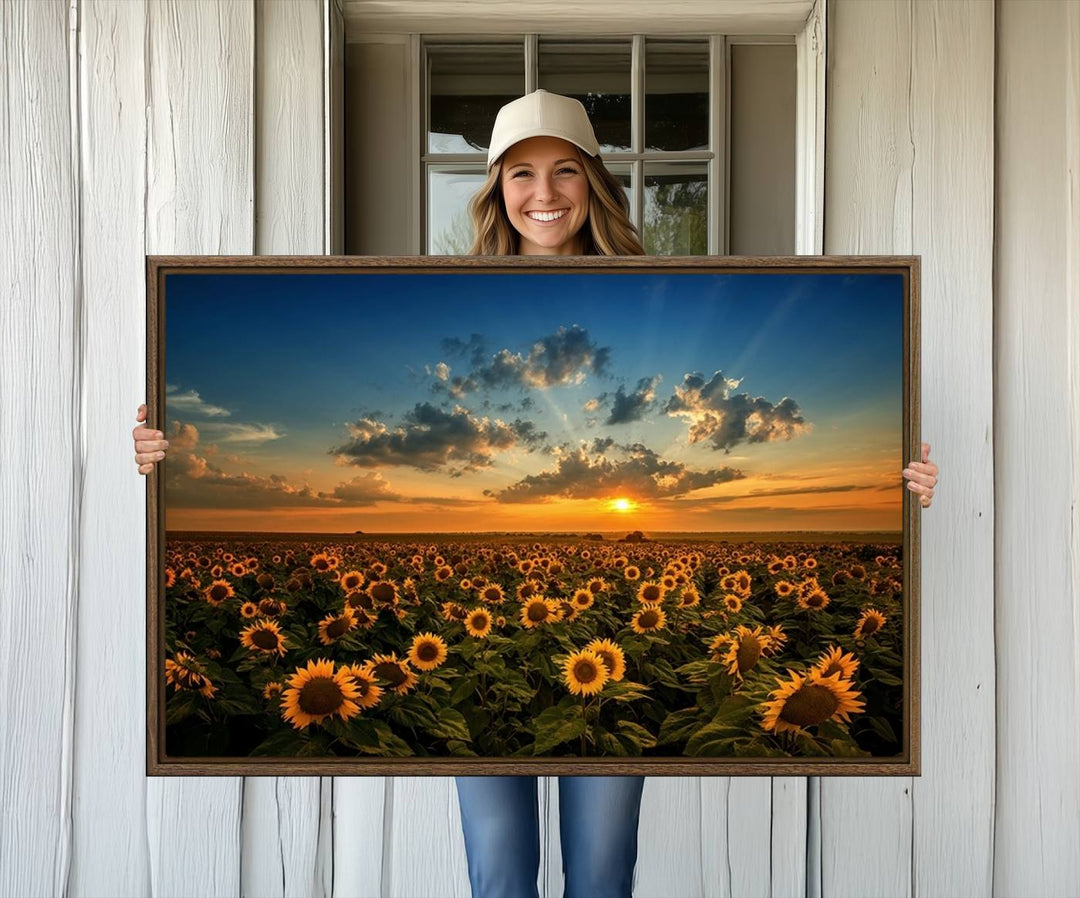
(909, 169)
(109, 776)
(200, 197)
(283, 847)
(41, 430)
(1037, 450)
(559, 17)
(144, 143)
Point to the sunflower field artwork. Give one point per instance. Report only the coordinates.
(433, 518)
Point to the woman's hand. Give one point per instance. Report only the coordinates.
(922, 477)
(150, 445)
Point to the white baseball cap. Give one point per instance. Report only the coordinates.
(541, 114)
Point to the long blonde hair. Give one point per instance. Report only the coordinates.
(607, 231)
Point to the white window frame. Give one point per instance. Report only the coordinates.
(809, 40)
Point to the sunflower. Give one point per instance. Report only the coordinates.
(538, 611)
(777, 638)
(597, 585)
(668, 582)
(444, 573)
(650, 593)
(317, 692)
(742, 583)
(728, 583)
(377, 568)
(790, 562)
(527, 590)
(263, 636)
(783, 588)
(351, 580)
(238, 569)
(582, 599)
(369, 691)
(170, 577)
(719, 646)
(217, 592)
(813, 599)
(478, 623)
(585, 673)
(733, 603)
(649, 619)
(184, 672)
(428, 651)
(334, 626)
(392, 671)
(689, 597)
(271, 607)
(492, 593)
(383, 592)
(249, 610)
(807, 700)
(835, 660)
(869, 623)
(452, 612)
(358, 599)
(858, 572)
(632, 572)
(611, 655)
(272, 689)
(810, 563)
(745, 649)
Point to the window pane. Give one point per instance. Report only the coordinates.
(597, 74)
(450, 231)
(676, 209)
(624, 176)
(466, 87)
(676, 95)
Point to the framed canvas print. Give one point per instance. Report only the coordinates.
(440, 515)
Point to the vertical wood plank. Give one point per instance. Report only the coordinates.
(1037, 449)
(869, 156)
(108, 816)
(360, 809)
(672, 834)
(199, 197)
(953, 230)
(40, 446)
(424, 851)
(282, 816)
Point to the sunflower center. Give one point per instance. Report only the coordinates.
(265, 639)
(809, 706)
(427, 651)
(814, 600)
(538, 611)
(337, 627)
(219, 593)
(870, 625)
(320, 695)
(586, 671)
(391, 672)
(492, 595)
(748, 653)
(651, 593)
(648, 618)
(480, 620)
(382, 592)
(351, 581)
(608, 658)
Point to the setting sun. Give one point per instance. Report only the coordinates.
(622, 504)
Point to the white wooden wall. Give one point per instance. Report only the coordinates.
(199, 127)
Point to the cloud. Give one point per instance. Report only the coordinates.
(241, 433)
(432, 439)
(474, 350)
(725, 419)
(190, 404)
(587, 473)
(193, 481)
(627, 407)
(565, 357)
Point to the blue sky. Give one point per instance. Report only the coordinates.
(301, 383)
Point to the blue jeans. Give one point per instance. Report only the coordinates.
(598, 823)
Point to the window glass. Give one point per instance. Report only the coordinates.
(450, 188)
(597, 74)
(676, 95)
(676, 209)
(467, 84)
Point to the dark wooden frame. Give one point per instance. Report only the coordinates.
(157, 763)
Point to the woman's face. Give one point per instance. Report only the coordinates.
(546, 195)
